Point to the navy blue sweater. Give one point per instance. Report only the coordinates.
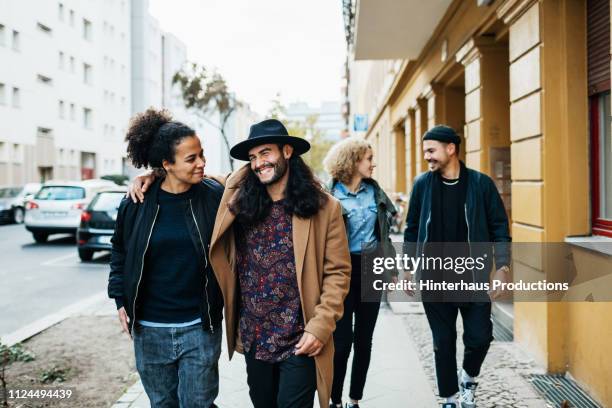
(172, 282)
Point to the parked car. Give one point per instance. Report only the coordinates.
(13, 201)
(57, 207)
(98, 222)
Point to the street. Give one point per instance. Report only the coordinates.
(40, 279)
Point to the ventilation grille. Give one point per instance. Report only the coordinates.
(557, 389)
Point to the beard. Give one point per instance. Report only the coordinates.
(280, 168)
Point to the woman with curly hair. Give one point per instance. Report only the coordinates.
(367, 211)
(167, 296)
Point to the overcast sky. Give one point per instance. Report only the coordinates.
(263, 47)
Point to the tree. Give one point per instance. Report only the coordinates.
(204, 93)
(319, 145)
(307, 129)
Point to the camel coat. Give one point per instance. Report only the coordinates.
(323, 269)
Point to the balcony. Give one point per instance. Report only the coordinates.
(392, 29)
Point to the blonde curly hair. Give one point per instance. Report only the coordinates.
(342, 159)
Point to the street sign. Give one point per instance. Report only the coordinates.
(360, 123)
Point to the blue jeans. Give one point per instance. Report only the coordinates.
(178, 366)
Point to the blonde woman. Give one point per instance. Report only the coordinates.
(367, 212)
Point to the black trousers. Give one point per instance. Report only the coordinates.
(359, 337)
(288, 384)
(477, 337)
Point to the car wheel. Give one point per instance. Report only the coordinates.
(40, 237)
(18, 215)
(86, 254)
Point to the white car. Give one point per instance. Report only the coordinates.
(13, 200)
(57, 207)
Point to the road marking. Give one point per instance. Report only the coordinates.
(44, 323)
(58, 259)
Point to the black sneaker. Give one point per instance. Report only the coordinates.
(449, 405)
(351, 405)
(332, 405)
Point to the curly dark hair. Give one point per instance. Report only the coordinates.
(152, 137)
(304, 195)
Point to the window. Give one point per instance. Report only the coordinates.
(16, 41)
(2, 35)
(598, 64)
(2, 151)
(61, 60)
(2, 94)
(72, 112)
(60, 11)
(601, 164)
(62, 110)
(87, 72)
(87, 29)
(72, 18)
(17, 155)
(72, 64)
(107, 201)
(60, 193)
(44, 79)
(44, 28)
(87, 114)
(16, 98)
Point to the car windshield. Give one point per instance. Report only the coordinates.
(60, 193)
(107, 201)
(9, 192)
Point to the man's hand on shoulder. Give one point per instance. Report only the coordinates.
(140, 185)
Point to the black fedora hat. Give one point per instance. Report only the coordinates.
(268, 131)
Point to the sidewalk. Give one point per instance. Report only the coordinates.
(395, 379)
(502, 380)
(401, 373)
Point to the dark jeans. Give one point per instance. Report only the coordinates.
(178, 366)
(359, 337)
(288, 384)
(477, 336)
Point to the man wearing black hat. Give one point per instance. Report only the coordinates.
(280, 254)
(280, 245)
(453, 204)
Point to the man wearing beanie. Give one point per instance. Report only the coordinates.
(453, 204)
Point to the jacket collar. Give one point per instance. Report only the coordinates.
(225, 219)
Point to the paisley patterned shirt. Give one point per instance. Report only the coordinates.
(270, 313)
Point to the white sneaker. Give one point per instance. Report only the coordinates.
(467, 394)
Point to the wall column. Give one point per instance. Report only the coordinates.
(487, 118)
(548, 115)
(410, 152)
(420, 120)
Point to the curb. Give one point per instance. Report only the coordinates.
(44, 323)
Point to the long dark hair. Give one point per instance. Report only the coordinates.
(304, 195)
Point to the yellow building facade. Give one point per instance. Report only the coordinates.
(512, 78)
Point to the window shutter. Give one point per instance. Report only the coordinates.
(598, 45)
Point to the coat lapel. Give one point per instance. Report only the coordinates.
(225, 218)
(301, 232)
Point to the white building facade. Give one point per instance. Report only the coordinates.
(156, 57)
(65, 92)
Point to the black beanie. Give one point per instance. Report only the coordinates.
(443, 134)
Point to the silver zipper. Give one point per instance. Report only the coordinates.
(142, 267)
(205, 266)
(427, 227)
(467, 223)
